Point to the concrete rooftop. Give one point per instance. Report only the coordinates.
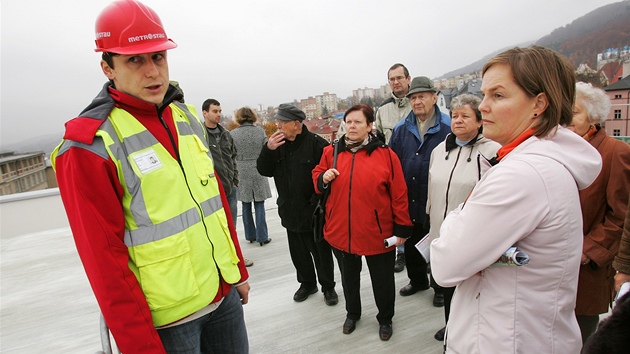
(47, 306)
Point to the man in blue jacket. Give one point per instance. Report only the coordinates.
(413, 140)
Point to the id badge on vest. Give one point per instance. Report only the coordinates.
(147, 161)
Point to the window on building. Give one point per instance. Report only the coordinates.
(617, 114)
(617, 96)
(616, 132)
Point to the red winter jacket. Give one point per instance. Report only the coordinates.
(91, 194)
(367, 201)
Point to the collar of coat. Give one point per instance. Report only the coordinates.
(451, 142)
(372, 145)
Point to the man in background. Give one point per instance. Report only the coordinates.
(289, 156)
(389, 113)
(223, 154)
(413, 140)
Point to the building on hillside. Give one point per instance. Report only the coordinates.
(614, 64)
(384, 92)
(472, 86)
(309, 107)
(359, 95)
(262, 112)
(326, 127)
(326, 103)
(618, 121)
(612, 72)
(442, 104)
(23, 172)
(319, 105)
(584, 69)
(613, 54)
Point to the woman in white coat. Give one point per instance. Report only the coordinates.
(528, 199)
(454, 170)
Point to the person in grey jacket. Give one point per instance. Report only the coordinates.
(389, 113)
(223, 152)
(253, 188)
(397, 107)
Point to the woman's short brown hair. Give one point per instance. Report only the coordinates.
(245, 115)
(538, 70)
(367, 111)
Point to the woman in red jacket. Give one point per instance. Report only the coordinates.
(366, 205)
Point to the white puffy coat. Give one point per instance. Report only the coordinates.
(529, 200)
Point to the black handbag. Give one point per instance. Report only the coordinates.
(319, 214)
(319, 218)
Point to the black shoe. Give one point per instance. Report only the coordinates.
(349, 325)
(399, 266)
(438, 300)
(265, 242)
(439, 335)
(411, 289)
(303, 293)
(330, 297)
(385, 332)
(252, 241)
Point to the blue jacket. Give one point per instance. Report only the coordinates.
(415, 157)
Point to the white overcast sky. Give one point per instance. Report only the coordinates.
(256, 52)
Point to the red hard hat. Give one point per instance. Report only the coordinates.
(130, 27)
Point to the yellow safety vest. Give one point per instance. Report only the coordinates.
(176, 229)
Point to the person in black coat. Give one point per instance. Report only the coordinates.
(289, 156)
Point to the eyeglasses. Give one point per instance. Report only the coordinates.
(397, 78)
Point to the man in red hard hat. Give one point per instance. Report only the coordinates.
(144, 203)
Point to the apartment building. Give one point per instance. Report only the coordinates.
(618, 121)
(309, 107)
(23, 172)
(360, 94)
(328, 101)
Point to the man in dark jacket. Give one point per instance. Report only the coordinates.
(223, 152)
(289, 156)
(413, 140)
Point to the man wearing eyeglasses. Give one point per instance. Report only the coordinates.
(397, 106)
(388, 114)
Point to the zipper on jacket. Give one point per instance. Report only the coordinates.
(450, 179)
(349, 204)
(203, 221)
(170, 137)
(378, 222)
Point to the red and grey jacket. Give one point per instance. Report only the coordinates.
(92, 195)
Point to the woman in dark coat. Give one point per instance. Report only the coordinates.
(604, 204)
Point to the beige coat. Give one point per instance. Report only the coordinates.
(453, 172)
